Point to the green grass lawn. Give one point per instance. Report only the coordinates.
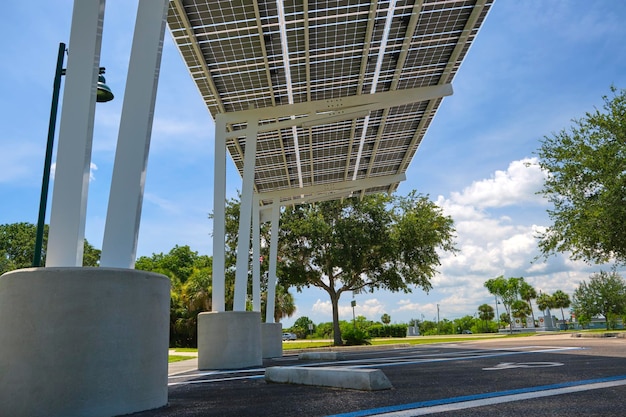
(419, 340)
(178, 358)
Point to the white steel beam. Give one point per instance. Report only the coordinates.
(69, 199)
(245, 216)
(331, 188)
(271, 279)
(256, 255)
(121, 231)
(219, 217)
(321, 111)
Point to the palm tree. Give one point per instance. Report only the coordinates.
(545, 302)
(561, 300)
(284, 305)
(527, 292)
(485, 313)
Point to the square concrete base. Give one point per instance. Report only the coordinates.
(229, 340)
(272, 337)
(83, 342)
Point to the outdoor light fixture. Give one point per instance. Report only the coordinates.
(104, 94)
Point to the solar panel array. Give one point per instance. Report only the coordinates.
(247, 54)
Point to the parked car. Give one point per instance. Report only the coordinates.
(467, 332)
(289, 336)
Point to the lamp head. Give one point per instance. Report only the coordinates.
(104, 93)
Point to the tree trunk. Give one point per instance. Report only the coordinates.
(531, 311)
(334, 299)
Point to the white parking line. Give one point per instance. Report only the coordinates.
(496, 399)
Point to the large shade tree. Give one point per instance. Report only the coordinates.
(604, 295)
(284, 302)
(17, 247)
(190, 277)
(586, 183)
(363, 244)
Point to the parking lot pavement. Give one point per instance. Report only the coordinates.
(538, 376)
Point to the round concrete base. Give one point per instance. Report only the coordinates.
(83, 341)
(272, 337)
(229, 340)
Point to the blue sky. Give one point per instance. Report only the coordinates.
(535, 66)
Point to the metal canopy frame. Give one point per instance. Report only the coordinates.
(324, 62)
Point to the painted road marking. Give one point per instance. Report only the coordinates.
(358, 363)
(481, 400)
(513, 365)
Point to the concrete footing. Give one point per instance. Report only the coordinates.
(229, 340)
(358, 379)
(272, 340)
(83, 342)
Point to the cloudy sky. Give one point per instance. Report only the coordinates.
(534, 67)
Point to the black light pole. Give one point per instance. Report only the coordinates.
(353, 304)
(103, 95)
(48, 162)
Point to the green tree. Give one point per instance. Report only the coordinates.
(561, 300)
(586, 184)
(428, 327)
(385, 318)
(527, 293)
(507, 289)
(284, 302)
(17, 247)
(190, 276)
(485, 313)
(301, 326)
(464, 323)
(604, 295)
(324, 330)
(545, 302)
(505, 318)
(363, 244)
(520, 310)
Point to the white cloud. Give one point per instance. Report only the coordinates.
(371, 308)
(518, 184)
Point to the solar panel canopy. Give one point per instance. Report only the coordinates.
(306, 69)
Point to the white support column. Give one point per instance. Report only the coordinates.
(245, 215)
(271, 280)
(219, 216)
(256, 255)
(119, 247)
(69, 198)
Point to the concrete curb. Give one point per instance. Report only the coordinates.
(320, 356)
(597, 335)
(357, 379)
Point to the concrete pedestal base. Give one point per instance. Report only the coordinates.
(272, 340)
(83, 342)
(229, 340)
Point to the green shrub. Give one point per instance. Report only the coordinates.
(353, 337)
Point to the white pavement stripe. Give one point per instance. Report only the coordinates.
(499, 400)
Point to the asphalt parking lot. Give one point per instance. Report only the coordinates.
(534, 376)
